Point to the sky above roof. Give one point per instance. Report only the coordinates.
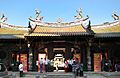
(18, 11)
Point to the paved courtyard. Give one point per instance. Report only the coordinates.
(66, 75)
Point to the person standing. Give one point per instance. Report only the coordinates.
(41, 65)
(21, 69)
(81, 69)
(46, 65)
(77, 64)
(70, 65)
(116, 67)
(74, 66)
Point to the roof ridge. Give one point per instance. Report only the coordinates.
(116, 23)
(60, 26)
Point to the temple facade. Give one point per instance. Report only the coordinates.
(77, 39)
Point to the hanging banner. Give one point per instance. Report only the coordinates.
(97, 62)
(23, 59)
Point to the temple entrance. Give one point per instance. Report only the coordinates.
(59, 58)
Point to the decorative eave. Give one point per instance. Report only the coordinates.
(58, 34)
(11, 36)
(107, 35)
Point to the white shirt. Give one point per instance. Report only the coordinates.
(46, 62)
(21, 67)
(71, 61)
(41, 61)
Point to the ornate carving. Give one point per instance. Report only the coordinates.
(3, 18)
(38, 18)
(59, 20)
(79, 14)
(115, 16)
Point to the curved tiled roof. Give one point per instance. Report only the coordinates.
(9, 33)
(107, 28)
(12, 31)
(59, 29)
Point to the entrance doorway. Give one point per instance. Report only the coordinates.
(59, 58)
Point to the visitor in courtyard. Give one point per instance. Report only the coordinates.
(77, 65)
(56, 66)
(37, 65)
(106, 67)
(103, 64)
(46, 64)
(21, 69)
(41, 65)
(116, 67)
(110, 65)
(66, 67)
(81, 69)
(74, 67)
(70, 62)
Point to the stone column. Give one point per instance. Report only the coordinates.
(30, 55)
(67, 52)
(84, 56)
(89, 56)
(50, 53)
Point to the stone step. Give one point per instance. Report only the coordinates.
(43, 75)
(53, 76)
(60, 75)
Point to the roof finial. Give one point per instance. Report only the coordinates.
(3, 18)
(115, 16)
(79, 14)
(38, 17)
(59, 20)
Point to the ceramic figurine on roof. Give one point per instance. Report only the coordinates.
(38, 18)
(3, 18)
(81, 19)
(79, 14)
(115, 16)
(59, 20)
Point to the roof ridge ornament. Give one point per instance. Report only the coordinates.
(80, 17)
(2, 19)
(79, 14)
(115, 16)
(38, 17)
(59, 20)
